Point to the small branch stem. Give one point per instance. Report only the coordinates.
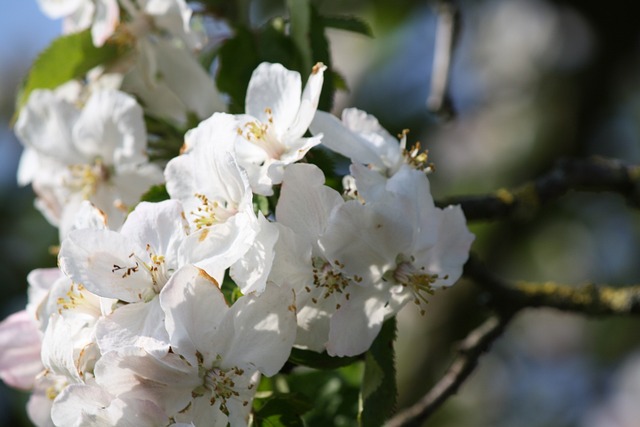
(469, 351)
(593, 174)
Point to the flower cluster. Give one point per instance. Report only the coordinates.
(133, 329)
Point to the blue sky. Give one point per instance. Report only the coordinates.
(24, 31)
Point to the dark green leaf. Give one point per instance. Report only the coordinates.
(230, 290)
(320, 53)
(155, 194)
(68, 57)
(316, 360)
(280, 410)
(334, 394)
(275, 46)
(261, 204)
(299, 21)
(348, 23)
(378, 391)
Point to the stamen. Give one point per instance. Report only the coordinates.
(326, 278)
(85, 178)
(415, 156)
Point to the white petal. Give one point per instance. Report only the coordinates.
(89, 217)
(313, 327)
(102, 261)
(45, 124)
(274, 88)
(59, 8)
(264, 330)
(250, 272)
(131, 373)
(358, 137)
(366, 240)
(221, 245)
(356, 324)
(106, 19)
(195, 308)
(292, 261)
(111, 127)
(139, 324)
(305, 202)
(448, 255)
(89, 405)
(59, 344)
(308, 103)
(162, 226)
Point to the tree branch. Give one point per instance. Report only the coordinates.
(592, 174)
(469, 351)
(590, 299)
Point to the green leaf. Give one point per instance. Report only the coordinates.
(230, 290)
(276, 46)
(300, 23)
(378, 391)
(320, 53)
(348, 23)
(280, 410)
(334, 394)
(68, 57)
(316, 360)
(155, 194)
(261, 204)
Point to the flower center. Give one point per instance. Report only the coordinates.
(415, 156)
(222, 385)
(85, 178)
(210, 212)
(261, 135)
(156, 268)
(329, 281)
(418, 281)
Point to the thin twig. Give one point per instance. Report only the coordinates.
(469, 351)
(592, 174)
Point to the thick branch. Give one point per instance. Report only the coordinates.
(469, 351)
(593, 174)
(589, 299)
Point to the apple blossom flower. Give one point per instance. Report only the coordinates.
(278, 113)
(217, 352)
(367, 257)
(361, 138)
(217, 198)
(96, 153)
(131, 266)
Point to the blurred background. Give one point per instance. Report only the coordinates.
(531, 81)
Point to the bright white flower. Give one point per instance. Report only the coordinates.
(209, 377)
(96, 154)
(361, 138)
(400, 242)
(166, 75)
(367, 259)
(277, 116)
(305, 206)
(132, 266)
(217, 199)
(81, 405)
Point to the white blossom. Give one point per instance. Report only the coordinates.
(96, 153)
(277, 116)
